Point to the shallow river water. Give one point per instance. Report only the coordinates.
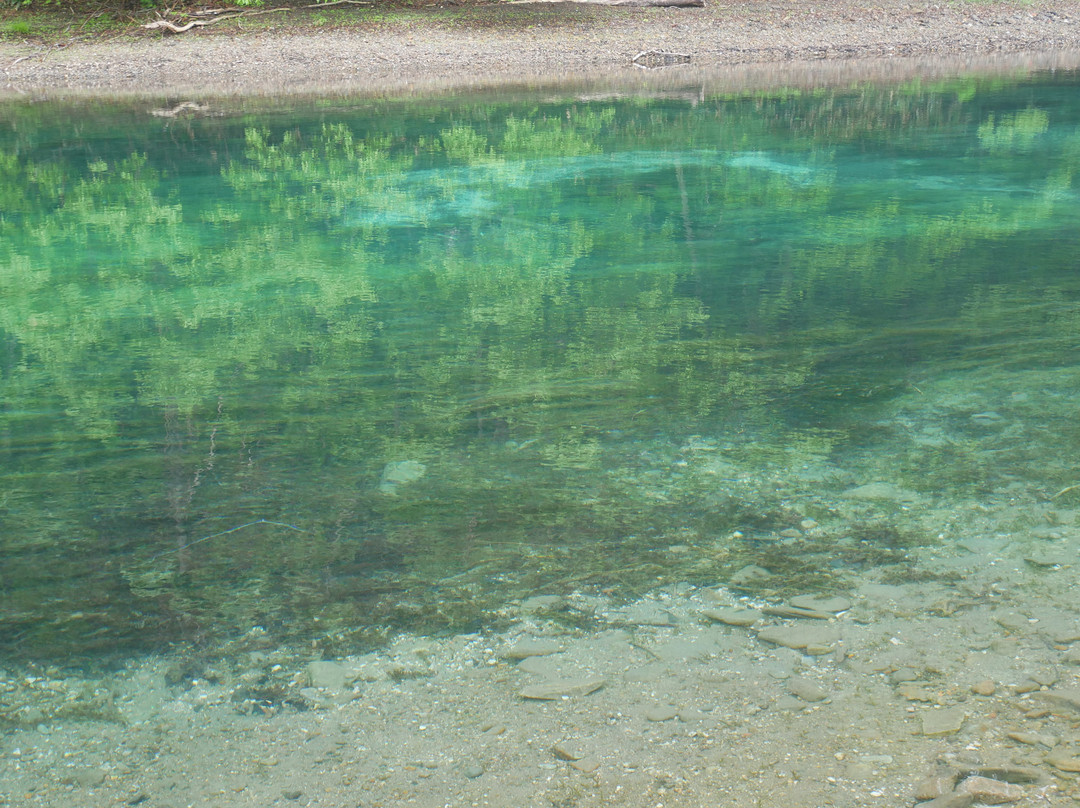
(469, 370)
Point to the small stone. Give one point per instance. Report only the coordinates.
(1008, 774)
(543, 603)
(587, 765)
(87, 778)
(877, 760)
(642, 614)
(880, 490)
(1047, 678)
(523, 649)
(1010, 621)
(1033, 739)
(808, 524)
(565, 688)
(1065, 635)
(1065, 698)
(984, 688)
(800, 637)
(955, 800)
(807, 690)
(946, 721)
(472, 770)
(733, 616)
(914, 692)
(1064, 761)
(817, 603)
(750, 577)
(564, 750)
(991, 792)
(902, 675)
(292, 794)
(689, 715)
(401, 472)
(793, 612)
(1050, 558)
(934, 787)
(1027, 686)
(661, 713)
(326, 674)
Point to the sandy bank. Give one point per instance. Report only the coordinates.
(474, 47)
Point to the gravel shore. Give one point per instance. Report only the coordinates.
(479, 46)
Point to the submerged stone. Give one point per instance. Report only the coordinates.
(880, 490)
(398, 473)
(565, 688)
(820, 603)
(947, 721)
(733, 616)
(812, 637)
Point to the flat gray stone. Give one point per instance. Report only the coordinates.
(992, 792)
(946, 721)
(664, 712)
(398, 473)
(565, 688)
(566, 750)
(882, 491)
(733, 616)
(586, 765)
(750, 577)
(642, 614)
(472, 770)
(937, 786)
(793, 612)
(955, 800)
(810, 637)
(1063, 761)
(90, 777)
(1065, 698)
(543, 603)
(807, 690)
(326, 674)
(530, 647)
(821, 603)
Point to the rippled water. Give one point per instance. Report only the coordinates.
(375, 366)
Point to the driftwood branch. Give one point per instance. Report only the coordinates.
(653, 59)
(339, 3)
(638, 3)
(173, 28)
(656, 3)
(219, 14)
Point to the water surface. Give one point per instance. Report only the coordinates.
(369, 367)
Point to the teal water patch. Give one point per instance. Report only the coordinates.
(347, 372)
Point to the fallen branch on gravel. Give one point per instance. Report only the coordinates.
(638, 3)
(173, 28)
(653, 59)
(28, 56)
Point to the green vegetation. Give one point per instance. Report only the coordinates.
(219, 330)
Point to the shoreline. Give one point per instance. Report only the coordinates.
(549, 44)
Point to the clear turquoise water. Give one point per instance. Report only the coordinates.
(221, 333)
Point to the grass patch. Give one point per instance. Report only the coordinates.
(17, 28)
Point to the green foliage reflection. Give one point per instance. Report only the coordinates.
(248, 324)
